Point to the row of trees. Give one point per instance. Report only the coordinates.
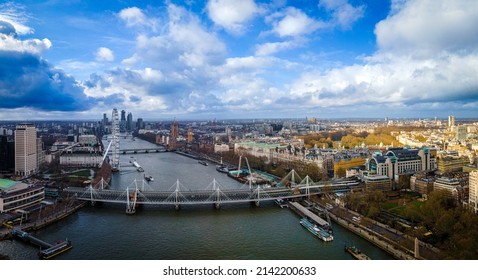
(348, 139)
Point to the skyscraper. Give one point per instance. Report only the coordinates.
(122, 124)
(451, 121)
(139, 123)
(25, 149)
(129, 122)
(473, 191)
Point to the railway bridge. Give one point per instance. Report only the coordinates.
(215, 194)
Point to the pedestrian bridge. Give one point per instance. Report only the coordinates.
(214, 193)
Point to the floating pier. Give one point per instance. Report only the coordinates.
(47, 250)
(304, 212)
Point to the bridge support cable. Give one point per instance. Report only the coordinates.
(217, 196)
(131, 199)
(176, 197)
(88, 194)
(307, 181)
(101, 185)
(259, 194)
(291, 179)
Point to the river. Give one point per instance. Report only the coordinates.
(242, 231)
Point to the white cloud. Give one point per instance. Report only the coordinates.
(427, 55)
(343, 13)
(174, 62)
(274, 47)
(232, 15)
(130, 61)
(104, 54)
(33, 46)
(294, 22)
(184, 42)
(427, 25)
(135, 17)
(15, 15)
(249, 62)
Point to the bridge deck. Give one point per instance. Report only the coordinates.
(190, 197)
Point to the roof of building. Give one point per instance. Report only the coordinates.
(6, 184)
(403, 154)
(379, 159)
(262, 145)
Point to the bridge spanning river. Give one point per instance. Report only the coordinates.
(216, 194)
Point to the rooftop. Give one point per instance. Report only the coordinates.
(9, 187)
(6, 184)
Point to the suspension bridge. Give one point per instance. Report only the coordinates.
(214, 194)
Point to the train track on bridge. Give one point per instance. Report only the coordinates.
(217, 195)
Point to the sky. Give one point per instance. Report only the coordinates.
(227, 59)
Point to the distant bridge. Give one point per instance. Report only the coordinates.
(215, 194)
(142, 150)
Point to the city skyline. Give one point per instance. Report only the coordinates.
(222, 59)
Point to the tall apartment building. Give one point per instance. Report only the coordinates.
(25, 150)
(473, 191)
(451, 121)
(129, 122)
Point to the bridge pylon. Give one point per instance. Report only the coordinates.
(291, 179)
(131, 200)
(258, 194)
(177, 197)
(217, 196)
(307, 181)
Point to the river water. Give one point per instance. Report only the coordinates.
(242, 231)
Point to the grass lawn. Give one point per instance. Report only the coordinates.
(389, 205)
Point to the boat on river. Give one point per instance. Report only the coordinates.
(222, 168)
(316, 230)
(356, 253)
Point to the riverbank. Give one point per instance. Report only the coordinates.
(396, 243)
(40, 220)
(379, 241)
